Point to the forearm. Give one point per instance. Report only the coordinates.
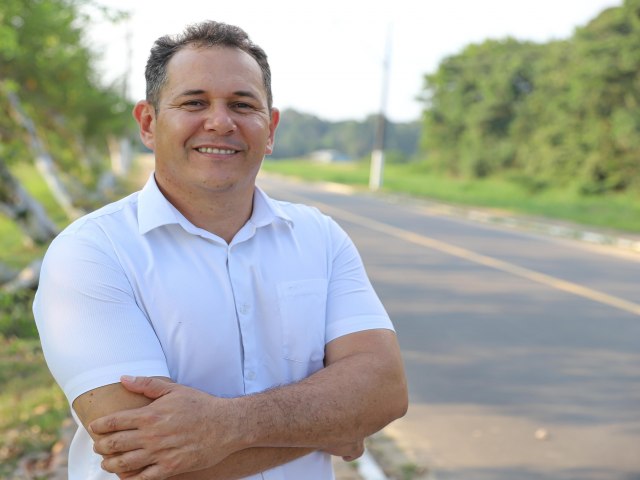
(245, 463)
(347, 401)
(361, 390)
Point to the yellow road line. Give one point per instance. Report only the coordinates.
(485, 260)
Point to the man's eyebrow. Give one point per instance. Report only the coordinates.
(245, 93)
(194, 92)
(191, 93)
(237, 93)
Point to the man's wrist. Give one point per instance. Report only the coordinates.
(244, 426)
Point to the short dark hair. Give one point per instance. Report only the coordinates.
(201, 35)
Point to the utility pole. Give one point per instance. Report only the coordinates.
(377, 155)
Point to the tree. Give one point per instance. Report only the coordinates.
(54, 112)
(564, 113)
(44, 60)
(300, 133)
(608, 86)
(474, 98)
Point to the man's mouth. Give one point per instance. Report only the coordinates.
(216, 151)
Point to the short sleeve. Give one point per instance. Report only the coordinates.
(91, 329)
(352, 303)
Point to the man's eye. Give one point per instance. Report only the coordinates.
(193, 103)
(242, 105)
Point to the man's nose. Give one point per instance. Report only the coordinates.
(219, 119)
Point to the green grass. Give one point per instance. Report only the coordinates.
(33, 182)
(32, 406)
(612, 211)
(353, 173)
(17, 250)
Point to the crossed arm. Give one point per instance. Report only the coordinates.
(154, 429)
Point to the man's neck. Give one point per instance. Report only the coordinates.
(222, 214)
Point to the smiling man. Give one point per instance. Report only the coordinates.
(199, 328)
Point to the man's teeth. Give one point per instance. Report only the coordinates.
(218, 151)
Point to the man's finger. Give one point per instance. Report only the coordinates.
(116, 422)
(150, 387)
(152, 472)
(129, 463)
(118, 442)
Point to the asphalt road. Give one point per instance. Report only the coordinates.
(522, 351)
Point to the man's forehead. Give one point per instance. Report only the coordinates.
(189, 71)
(190, 63)
(222, 52)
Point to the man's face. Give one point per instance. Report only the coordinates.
(212, 127)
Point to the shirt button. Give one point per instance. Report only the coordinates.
(251, 375)
(244, 308)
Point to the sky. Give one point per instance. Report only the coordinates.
(327, 58)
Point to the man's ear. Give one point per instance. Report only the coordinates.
(145, 115)
(273, 124)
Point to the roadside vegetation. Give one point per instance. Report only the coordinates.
(32, 406)
(58, 128)
(612, 210)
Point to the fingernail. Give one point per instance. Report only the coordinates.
(127, 378)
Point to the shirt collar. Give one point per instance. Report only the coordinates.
(154, 210)
(266, 210)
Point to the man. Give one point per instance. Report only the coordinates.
(270, 346)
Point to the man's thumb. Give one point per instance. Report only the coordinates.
(150, 387)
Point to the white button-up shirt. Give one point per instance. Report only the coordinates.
(135, 288)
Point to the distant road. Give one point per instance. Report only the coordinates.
(523, 352)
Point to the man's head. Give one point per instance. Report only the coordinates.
(201, 35)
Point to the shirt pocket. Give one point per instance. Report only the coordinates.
(303, 306)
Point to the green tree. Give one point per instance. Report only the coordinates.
(45, 61)
(300, 133)
(473, 100)
(582, 123)
(606, 94)
(564, 113)
(54, 111)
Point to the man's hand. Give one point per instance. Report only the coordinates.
(182, 430)
(190, 434)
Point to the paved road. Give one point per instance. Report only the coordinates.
(523, 352)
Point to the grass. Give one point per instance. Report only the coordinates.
(33, 182)
(612, 211)
(17, 250)
(32, 406)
